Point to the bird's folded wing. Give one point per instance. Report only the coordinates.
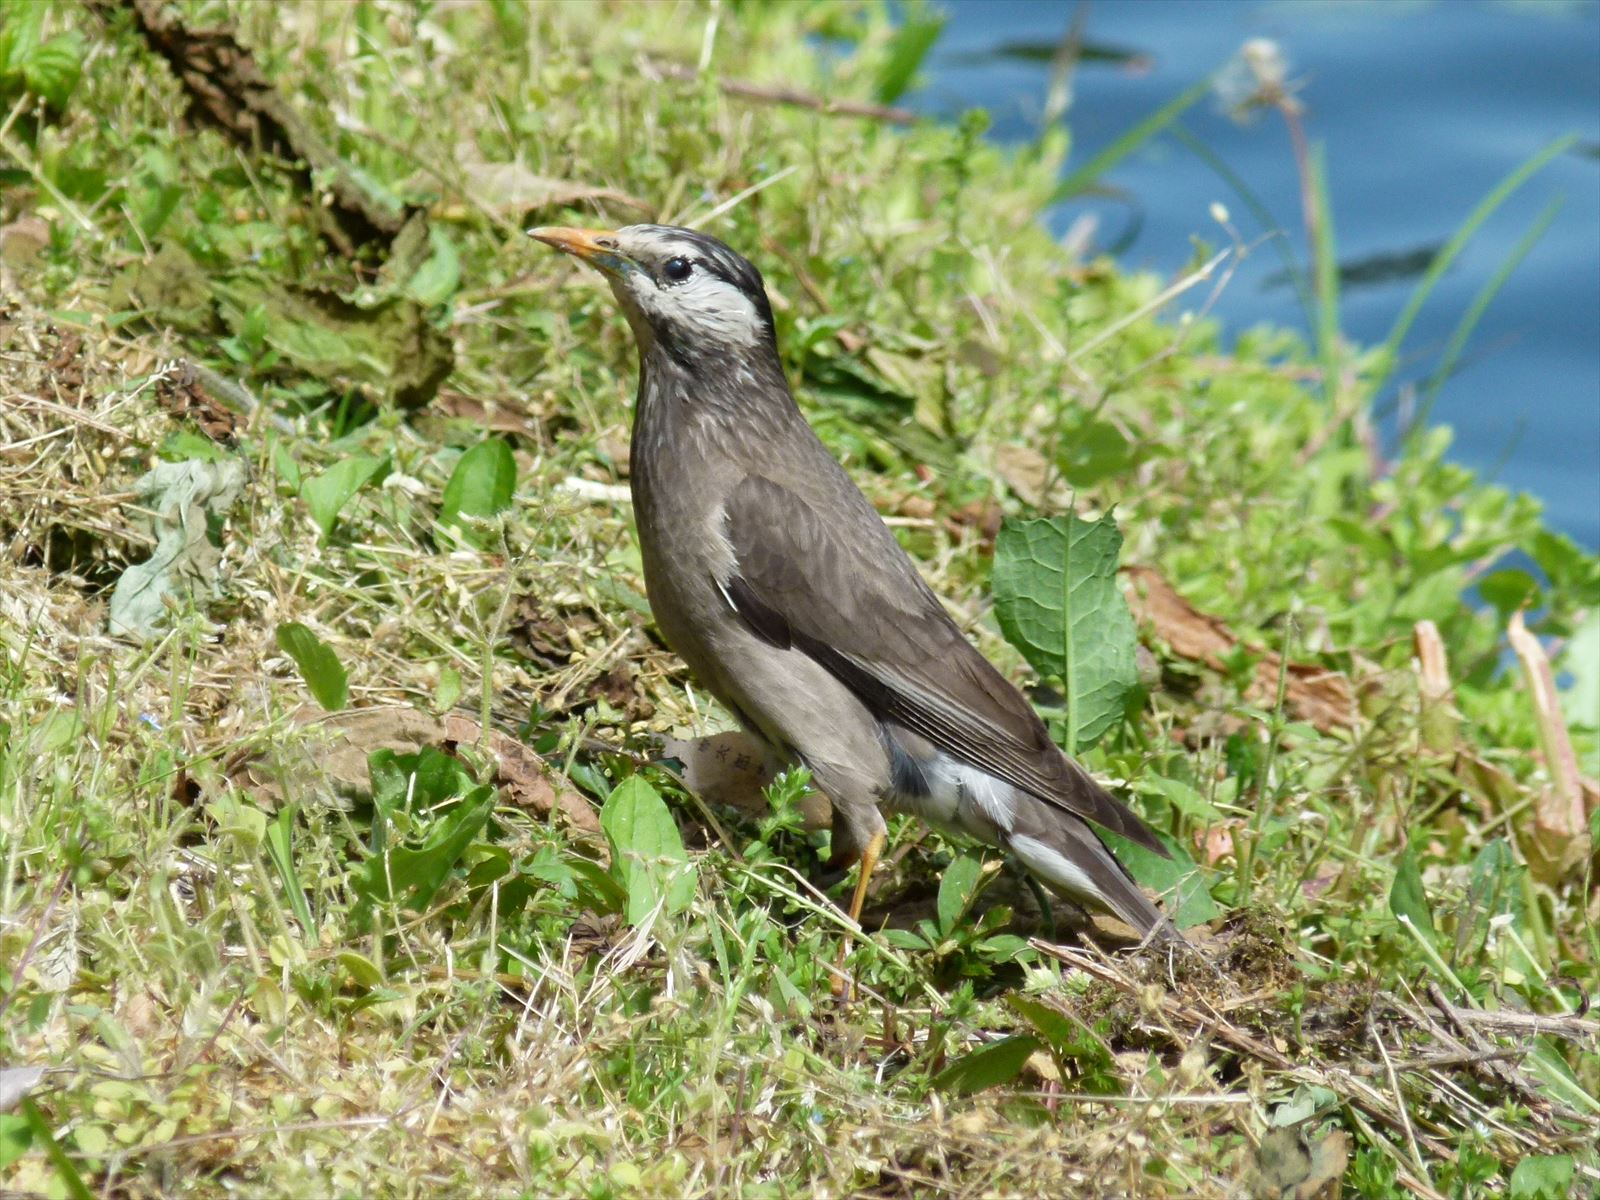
(830, 579)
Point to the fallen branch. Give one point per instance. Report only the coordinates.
(227, 89)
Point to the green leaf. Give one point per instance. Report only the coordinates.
(319, 665)
(986, 1068)
(955, 890)
(1581, 661)
(1407, 899)
(414, 874)
(1546, 1063)
(183, 445)
(910, 45)
(19, 35)
(1057, 600)
(1094, 451)
(1487, 897)
(328, 493)
(437, 279)
(15, 1138)
(1178, 880)
(1060, 1032)
(1509, 589)
(51, 72)
(480, 487)
(647, 855)
(1542, 1177)
(363, 972)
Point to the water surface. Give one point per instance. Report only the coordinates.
(1423, 108)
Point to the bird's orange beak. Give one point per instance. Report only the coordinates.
(594, 246)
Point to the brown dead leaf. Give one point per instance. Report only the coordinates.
(1290, 1165)
(1022, 469)
(182, 393)
(522, 775)
(1312, 693)
(733, 769)
(493, 416)
(23, 240)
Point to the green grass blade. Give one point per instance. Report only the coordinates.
(1085, 176)
(1452, 250)
(1469, 320)
(1324, 274)
(280, 846)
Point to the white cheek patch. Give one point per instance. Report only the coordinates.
(716, 312)
(722, 308)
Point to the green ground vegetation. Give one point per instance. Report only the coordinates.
(337, 855)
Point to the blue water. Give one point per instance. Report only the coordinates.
(1423, 108)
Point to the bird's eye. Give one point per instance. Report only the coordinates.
(677, 270)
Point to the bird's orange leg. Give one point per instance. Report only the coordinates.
(869, 860)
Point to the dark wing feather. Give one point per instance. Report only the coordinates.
(817, 569)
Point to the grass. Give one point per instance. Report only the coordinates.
(260, 947)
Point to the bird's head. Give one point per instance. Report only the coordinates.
(681, 290)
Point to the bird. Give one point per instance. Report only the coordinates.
(777, 583)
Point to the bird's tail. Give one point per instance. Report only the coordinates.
(1064, 853)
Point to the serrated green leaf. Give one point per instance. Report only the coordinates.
(1407, 899)
(482, 484)
(986, 1068)
(1057, 600)
(19, 35)
(647, 854)
(319, 665)
(328, 493)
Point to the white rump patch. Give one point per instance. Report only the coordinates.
(964, 799)
(1053, 867)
